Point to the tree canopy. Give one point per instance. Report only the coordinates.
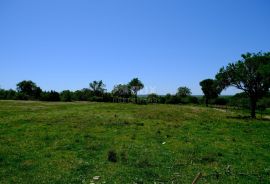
(29, 89)
(135, 86)
(251, 74)
(121, 90)
(183, 91)
(97, 87)
(210, 89)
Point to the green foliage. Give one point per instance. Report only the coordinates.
(83, 95)
(66, 96)
(2, 94)
(240, 100)
(28, 90)
(171, 99)
(210, 89)
(107, 97)
(26, 87)
(135, 85)
(8, 94)
(221, 101)
(153, 98)
(193, 100)
(121, 90)
(52, 96)
(175, 99)
(97, 87)
(264, 103)
(142, 101)
(96, 99)
(183, 92)
(251, 75)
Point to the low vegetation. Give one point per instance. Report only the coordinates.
(85, 142)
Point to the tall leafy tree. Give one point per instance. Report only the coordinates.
(135, 86)
(97, 87)
(121, 90)
(183, 91)
(210, 89)
(29, 89)
(251, 74)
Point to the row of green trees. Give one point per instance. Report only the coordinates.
(123, 93)
(251, 74)
(28, 90)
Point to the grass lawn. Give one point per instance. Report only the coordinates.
(69, 143)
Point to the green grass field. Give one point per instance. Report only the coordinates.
(69, 143)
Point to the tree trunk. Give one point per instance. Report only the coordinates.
(253, 107)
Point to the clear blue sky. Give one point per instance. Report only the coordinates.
(63, 44)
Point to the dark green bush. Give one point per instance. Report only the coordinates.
(221, 101)
(193, 100)
(66, 96)
(52, 96)
(240, 100)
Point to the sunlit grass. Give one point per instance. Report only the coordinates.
(70, 142)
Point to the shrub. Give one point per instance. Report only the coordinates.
(263, 104)
(153, 98)
(66, 96)
(221, 101)
(141, 101)
(8, 94)
(107, 97)
(52, 96)
(240, 100)
(171, 99)
(83, 95)
(193, 100)
(96, 99)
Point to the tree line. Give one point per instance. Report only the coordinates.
(251, 74)
(29, 90)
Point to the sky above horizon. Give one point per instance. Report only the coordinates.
(67, 44)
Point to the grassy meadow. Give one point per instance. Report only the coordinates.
(42, 142)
